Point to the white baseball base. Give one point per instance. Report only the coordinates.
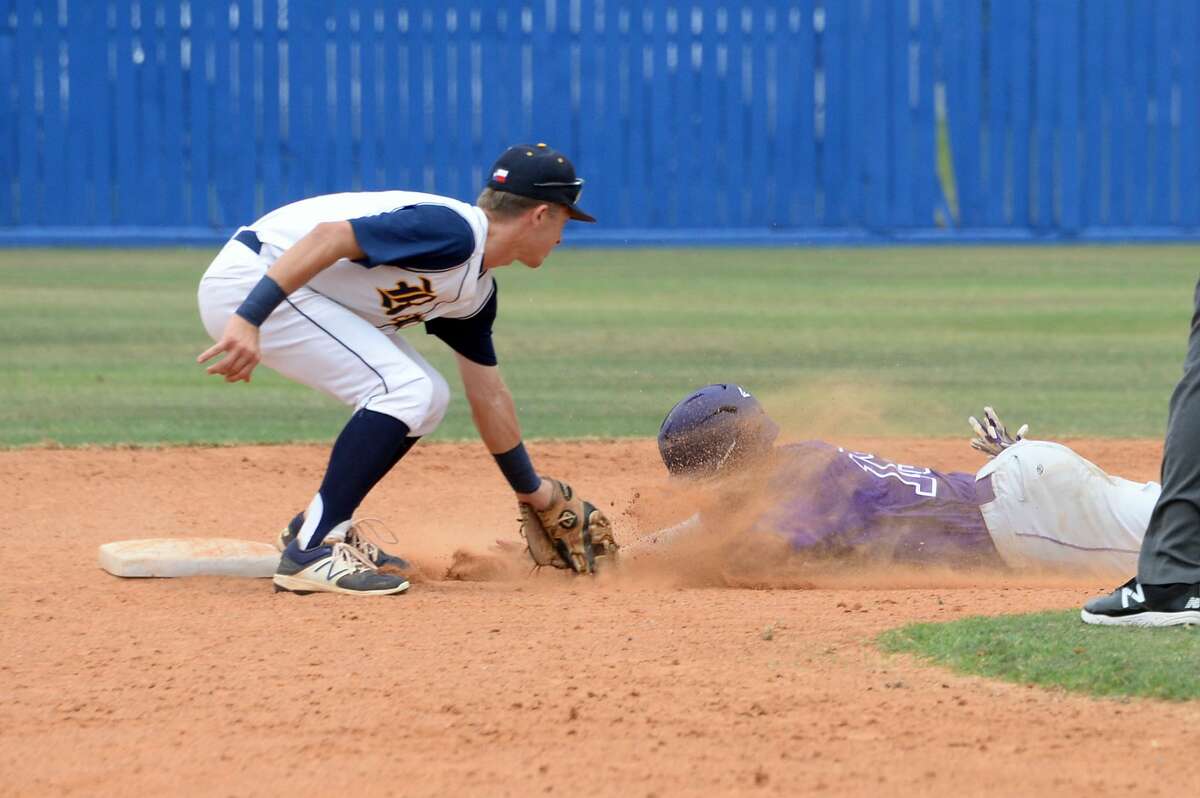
(166, 557)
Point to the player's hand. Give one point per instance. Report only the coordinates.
(991, 437)
(540, 499)
(568, 533)
(240, 344)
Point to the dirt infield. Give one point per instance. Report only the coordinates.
(637, 684)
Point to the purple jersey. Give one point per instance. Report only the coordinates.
(837, 501)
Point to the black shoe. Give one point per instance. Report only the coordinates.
(1127, 606)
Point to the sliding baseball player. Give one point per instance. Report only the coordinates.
(1035, 505)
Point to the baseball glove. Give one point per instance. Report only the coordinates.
(571, 533)
(991, 437)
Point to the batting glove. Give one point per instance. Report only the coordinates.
(991, 437)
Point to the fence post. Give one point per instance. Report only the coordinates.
(998, 115)
(1189, 115)
(1094, 197)
(1068, 122)
(1117, 158)
(271, 151)
(924, 173)
(834, 172)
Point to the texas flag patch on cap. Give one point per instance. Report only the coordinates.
(500, 175)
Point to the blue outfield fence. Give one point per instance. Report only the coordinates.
(709, 120)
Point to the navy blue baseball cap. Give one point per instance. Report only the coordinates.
(538, 172)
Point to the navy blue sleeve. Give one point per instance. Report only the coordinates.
(471, 337)
(429, 238)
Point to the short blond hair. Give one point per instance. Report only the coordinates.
(505, 205)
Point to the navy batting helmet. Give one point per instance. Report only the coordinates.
(713, 428)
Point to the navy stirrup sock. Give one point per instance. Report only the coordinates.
(366, 449)
(304, 556)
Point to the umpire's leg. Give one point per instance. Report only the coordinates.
(1171, 550)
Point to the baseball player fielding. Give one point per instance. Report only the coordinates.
(318, 290)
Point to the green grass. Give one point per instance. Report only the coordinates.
(99, 344)
(1055, 649)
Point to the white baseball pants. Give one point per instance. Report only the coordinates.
(1056, 511)
(315, 341)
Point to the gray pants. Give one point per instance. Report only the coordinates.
(1171, 551)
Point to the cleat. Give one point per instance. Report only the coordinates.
(339, 569)
(356, 537)
(1128, 606)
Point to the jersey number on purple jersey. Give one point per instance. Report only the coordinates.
(921, 479)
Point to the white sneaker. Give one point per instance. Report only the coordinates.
(341, 570)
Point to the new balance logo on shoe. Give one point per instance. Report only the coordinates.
(330, 575)
(1135, 593)
(1193, 603)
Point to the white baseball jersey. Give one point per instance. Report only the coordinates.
(423, 262)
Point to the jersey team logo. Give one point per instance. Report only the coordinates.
(398, 301)
(916, 477)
